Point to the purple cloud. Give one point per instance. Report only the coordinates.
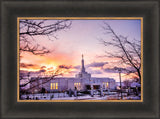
(65, 66)
(77, 67)
(31, 73)
(95, 72)
(110, 70)
(123, 70)
(42, 70)
(97, 64)
(93, 64)
(25, 65)
(43, 67)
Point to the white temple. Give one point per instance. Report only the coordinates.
(82, 81)
(83, 73)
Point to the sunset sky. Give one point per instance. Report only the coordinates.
(82, 38)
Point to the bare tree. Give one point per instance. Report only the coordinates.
(57, 72)
(29, 30)
(127, 51)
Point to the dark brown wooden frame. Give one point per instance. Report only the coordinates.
(11, 9)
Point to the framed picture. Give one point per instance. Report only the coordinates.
(74, 59)
(114, 74)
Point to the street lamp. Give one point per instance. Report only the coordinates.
(119, 70)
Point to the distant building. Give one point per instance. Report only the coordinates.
(82, 81)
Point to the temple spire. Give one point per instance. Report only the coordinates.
(83, 69)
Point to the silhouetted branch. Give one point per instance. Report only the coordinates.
(59, 71)
(129, 52)
(30, 29)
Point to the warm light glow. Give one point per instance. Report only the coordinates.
(77, 85)
(50, 66)
(107, 84)
(54, 86)
(51, 86)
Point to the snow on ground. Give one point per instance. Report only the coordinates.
(64, 96)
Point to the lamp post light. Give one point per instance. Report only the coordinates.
(119, 70)
(109, 88)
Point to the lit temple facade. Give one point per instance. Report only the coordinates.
(82, 81)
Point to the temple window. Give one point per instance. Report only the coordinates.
(78, 85)
(54, 86)
(106, 84)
